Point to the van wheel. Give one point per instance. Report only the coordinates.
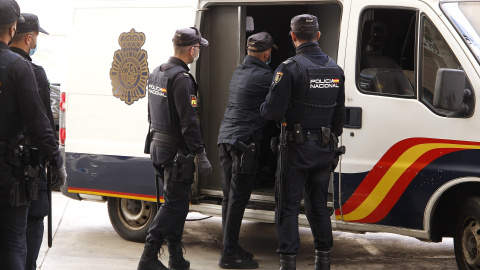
(467, 235)
(131, 218)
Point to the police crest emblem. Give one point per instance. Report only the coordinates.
(129, 72)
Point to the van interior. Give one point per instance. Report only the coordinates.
(227, 28)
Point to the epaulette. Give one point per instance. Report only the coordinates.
(186, 74)
(287, 62)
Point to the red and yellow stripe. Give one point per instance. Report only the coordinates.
(107, 193)
(387, 181)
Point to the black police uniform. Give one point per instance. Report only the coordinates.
(316, 102)
(38, 208)
(242, 123)
(173, 117)
(21, 109)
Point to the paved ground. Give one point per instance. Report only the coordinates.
(85, 240)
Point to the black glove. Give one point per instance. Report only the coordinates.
(203, 164)
(59, 175)
(274, 141)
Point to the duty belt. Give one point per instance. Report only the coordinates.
(307, 136)
(174, 141)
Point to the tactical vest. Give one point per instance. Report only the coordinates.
(314, 99)
(161, 102)
(10, 119)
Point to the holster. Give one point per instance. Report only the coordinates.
(181, 169)
(337, 151)
(325, 133)
(148, 142)
(24, 186)
(245, 163)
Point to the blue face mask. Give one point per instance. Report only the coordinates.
(32, 51)
(269, 59)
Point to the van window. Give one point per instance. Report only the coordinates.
(387, 52)
(464, 16)
(436, 54)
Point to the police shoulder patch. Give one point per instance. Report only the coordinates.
(193, 101)
(278, 77)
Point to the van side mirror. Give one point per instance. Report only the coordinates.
(449, 89)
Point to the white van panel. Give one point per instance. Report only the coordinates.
(95, 130)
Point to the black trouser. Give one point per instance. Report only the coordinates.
(237, 188)
(170, 219)
(13, 225)
(308, 172)
(35, 226)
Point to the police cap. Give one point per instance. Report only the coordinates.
(9, 12)
(31, 24)
(304, 22)
(188, 36)
(260, 42)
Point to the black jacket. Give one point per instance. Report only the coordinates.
(21, 108)
(181, 109)
(248, 88)
(288, 78)
(42, 82)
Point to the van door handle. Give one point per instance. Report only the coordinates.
(353, 118)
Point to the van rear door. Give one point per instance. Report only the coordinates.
(227, 27)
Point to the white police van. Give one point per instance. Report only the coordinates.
(412, 69)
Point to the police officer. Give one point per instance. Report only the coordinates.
(25, 44)
(21, 110)
(308, 92)
(172, 105)
(239, 140)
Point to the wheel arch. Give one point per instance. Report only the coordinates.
(442, 212)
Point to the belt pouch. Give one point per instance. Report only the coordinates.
(297, 130)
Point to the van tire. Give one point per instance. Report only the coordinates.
(131, 218)
(467, 235)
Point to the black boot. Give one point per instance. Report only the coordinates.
(322, 260)
(244, 253)
(288, 262)
(149, 259)
(237, 261)
(177, 262)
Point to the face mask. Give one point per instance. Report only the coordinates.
(32, 51)
(196, 58)
(269, 59)
(14, 34)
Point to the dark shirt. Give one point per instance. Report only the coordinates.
(27, 111)
(183, 87)
(278, 100)
(248, 87)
